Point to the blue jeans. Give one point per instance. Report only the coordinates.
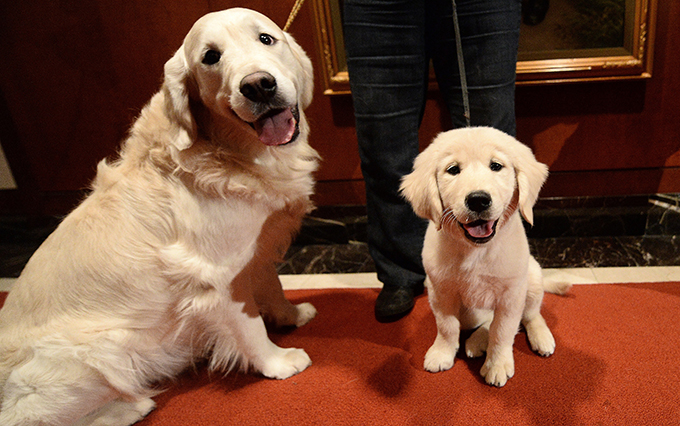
(389, 45)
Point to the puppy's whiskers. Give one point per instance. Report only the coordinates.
(448, 217)
(447, 214)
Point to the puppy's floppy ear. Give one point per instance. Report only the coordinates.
(421, 189)
(530, 177)
(176, 90)
(306, 78)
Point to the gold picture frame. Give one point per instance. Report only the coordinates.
(629, 58)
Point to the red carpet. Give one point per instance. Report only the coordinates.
(617, 363)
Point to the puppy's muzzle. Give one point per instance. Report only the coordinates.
(479, 231)
(478, 201)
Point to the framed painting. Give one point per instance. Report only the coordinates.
(574, 40)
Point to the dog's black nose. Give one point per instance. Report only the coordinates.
(478, 201)
(258, 87)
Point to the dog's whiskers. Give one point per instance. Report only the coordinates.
(447, 218)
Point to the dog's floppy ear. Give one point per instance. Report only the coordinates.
(176, 90)
(421, 189)
(306, 79)
(530, 178)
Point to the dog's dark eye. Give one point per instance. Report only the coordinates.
(266, 39)
(453, 169)
(211, 57)
(496, 166)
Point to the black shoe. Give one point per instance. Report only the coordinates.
(394, 303)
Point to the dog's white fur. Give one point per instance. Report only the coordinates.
(172, 256)
(491, 285)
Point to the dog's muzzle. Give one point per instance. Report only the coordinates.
(277, 125)
(481, 230)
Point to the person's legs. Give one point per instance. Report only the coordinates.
(490, 37)
(387, 63)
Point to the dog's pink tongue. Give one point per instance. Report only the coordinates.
(479, 228)
(276, 129)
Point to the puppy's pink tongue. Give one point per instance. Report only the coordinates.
(479, 228)
(276, 129)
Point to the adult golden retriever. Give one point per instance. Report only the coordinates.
(172, 256)
(473, 184)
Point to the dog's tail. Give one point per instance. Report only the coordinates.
(555, 287)
(549, 284)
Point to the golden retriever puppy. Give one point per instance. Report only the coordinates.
(473, 184)
(172, 256)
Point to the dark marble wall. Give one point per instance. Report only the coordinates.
(573, 232)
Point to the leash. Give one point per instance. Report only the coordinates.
(459, 49)
(446, 213)
(461, 66)
(293, 14)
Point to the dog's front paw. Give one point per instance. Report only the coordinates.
(439, 357)
(476, 344)
(540, 337)
(305, 313)
(286, 363)
(543, 343)
(497, 372)
(288, 315)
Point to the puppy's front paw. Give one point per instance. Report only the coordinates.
(305, 313)
(439, 357)
(497, 372)
(543, 343)
(286, 363)
(540, 337)
(476, 344)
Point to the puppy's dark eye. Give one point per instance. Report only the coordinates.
(211, 57)
(496, 166)
(266, 39)
(453, 169)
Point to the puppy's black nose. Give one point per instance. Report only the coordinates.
(478, 201)
(258, 87)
